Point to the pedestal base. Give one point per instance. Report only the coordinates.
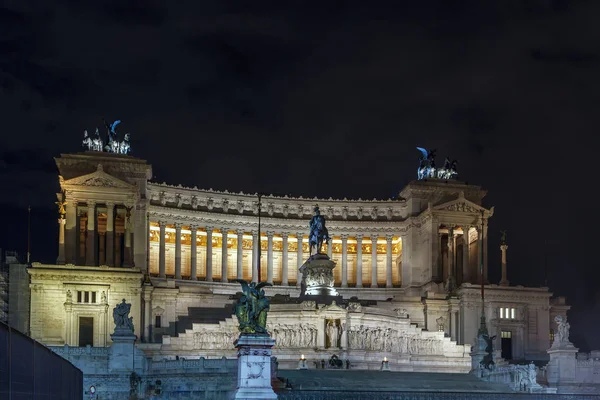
(317, 276)
(121, 353)
(254, 367)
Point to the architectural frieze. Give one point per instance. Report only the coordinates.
(232, 221)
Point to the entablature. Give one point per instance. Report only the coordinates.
(282, 206)
(232, 221)
(70, 273)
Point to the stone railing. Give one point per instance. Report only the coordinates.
(200, 364)
(520, 378)
(66, 350)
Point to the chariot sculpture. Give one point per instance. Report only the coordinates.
(427, 167)
(111, 145)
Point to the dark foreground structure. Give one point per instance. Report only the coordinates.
(29, 370)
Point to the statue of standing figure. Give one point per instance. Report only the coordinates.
(333, 333)
(121, 317)
(318, 232)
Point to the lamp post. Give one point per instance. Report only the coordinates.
(482, 325)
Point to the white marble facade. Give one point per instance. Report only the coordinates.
(167, 248)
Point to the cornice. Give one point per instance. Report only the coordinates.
(71, 273)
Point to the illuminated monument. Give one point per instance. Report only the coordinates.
(405, 271)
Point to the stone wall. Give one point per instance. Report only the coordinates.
(172, 379)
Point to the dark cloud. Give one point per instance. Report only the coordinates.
(324, 100)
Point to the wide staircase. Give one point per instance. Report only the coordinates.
(198, 315)
(365, 385)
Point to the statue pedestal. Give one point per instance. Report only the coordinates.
(121, 353)
(317, 276)
(478, 352)
(563, 363)
(254, 367)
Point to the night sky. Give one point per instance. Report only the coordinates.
(322, 99)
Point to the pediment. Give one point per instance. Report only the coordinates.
(99, 178)
(460, 205)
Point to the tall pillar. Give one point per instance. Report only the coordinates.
(284, 259)
(373, 261)
(90, 250)
(344, 260)
(101, 248)
(61, 240)
(240, 254)
(479, 253)
(465, 263)
(118, 250)
(388, 261)
(110, 234)
(147, 297)
(504, 281)
(194, 252)
(209, 271)
(485, 251)
(224, 269)
(440, 266)
(451, 271)
(255, 249)
(359, 238)
(127, 255)
(406, 259)
(299, 260)
(330, 248)
(71, 230)
(162, 254)
(270, 257)
(177, 251)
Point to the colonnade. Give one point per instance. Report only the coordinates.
(96, 234)
(284, 237)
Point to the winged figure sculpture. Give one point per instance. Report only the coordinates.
(251, 309)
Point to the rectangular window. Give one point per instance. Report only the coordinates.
(157, 321)
(87, 297)
(93, 297)
(79, 296)
(506, 335)
(507, 313)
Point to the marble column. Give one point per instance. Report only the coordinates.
(479, 253)
(284, 259)
(127, 255)
(71, 230)
(90, 250)
(359, 238)
(270, 257)
(330, 248)
(451, 271)
(209, 271)
(110, 235)
(194, 252)
(299, 260)
(504, 281)
(344, 260)
(147, 297)
(255, 249)
(101, 248)
(177, 251)
(61, 240)
(162, 253)
(465, 263)
(224, 269)
(388, 261)
(240, 254)
(373, 261)
(118, 250)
